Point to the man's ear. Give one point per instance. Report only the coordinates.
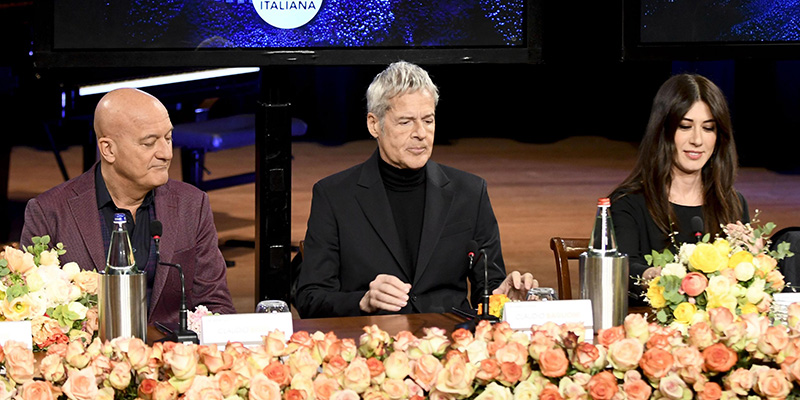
(373, 125)
(107, 149)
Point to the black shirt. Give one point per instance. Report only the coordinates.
(140, 238)
(405, 189)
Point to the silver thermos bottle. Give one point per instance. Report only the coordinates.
(604, 272)
(122, 295)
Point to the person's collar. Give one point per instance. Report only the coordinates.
(104, 197)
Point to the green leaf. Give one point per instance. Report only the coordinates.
(14, 291)
(662, 316)
(706, 238)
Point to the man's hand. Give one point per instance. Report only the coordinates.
(386, 292)
(516, 286)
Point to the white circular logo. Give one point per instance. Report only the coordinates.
(287, 14)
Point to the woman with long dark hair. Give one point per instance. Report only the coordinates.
(686, 168)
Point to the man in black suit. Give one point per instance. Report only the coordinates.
(392, 235)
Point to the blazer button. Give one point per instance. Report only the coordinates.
(413, 297)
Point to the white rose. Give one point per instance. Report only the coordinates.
(34, 281)
(744, 271)
(674, 269)
(71, 269)
(78, 308)
(719, 285)
(685, 252)
(477, 351)
(48, 257)
(495, 392)
(58, 291)
(38, 302)
(755, 293)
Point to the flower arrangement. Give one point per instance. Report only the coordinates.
(60, 301)
(496, 304)
(726, 357)
(736, 272)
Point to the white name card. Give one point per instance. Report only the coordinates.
(521, 315)
(18, 331)
(244, 328)
(786, 298)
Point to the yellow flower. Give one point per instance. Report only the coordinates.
(740, 257)
(684, 312)
(749, 308)
(722, 246)
(655, 294)
(707, 258)
(726, 300)
(17, 310)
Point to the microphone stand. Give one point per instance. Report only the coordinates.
(485, 316)
(183, 334)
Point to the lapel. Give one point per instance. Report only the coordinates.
(166, 203)
(87, 219)
(371, 197)
(438, 201)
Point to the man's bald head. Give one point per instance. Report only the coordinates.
(120, 109)
(134, 136)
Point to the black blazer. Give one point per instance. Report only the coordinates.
(352, 237)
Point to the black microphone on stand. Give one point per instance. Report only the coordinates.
(473, 247)
(697, 227)
(183, 334)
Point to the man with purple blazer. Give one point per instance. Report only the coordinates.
(134, 137)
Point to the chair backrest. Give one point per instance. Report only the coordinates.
(565, 249)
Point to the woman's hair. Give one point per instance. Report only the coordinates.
(397, 79)
(652, 174)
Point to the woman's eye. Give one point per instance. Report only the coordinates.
(684, 127)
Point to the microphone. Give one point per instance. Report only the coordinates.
(697, 227)
(473, 248)
(183, 334)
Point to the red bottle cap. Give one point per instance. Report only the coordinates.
(604, 201)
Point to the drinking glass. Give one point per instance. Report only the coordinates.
(272, 306)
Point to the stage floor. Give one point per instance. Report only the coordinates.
(537, 190)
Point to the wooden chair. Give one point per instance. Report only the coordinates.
(565, 249)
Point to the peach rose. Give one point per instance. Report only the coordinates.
(688, 356)
(87, 281)
(262, 388)
(720, 318)
(773, 384)
(740, 381)
(550, 392)
(701, 335)
(214, 359)
(397, 365)
(203, 388)
(164, 391)
(711, 391)
(625, 354)
(182, 360)
(335, 366)
(52, 369)
(228, 382)
(81, 385)
(19, 362)
(765, 263)
(488, 370)
(673, 387)
(636, 327)
(395, 388)
(510, 373)
(302, 339)
(462, 338)
(694, 283)
(277, 372)
(403, 339)
(773, 340)
(146, 388)
(553, 363)
(356, 376)
(540, 342)
(456, 378)
(274, 343)
(585, 356)
(38, 390)
(775, 280)
(637, 389)
(324, 387)
(18, 260)
(425, 370)
(302, 362)
(493, 391)
(345, 394)
(656, 363)
(719, 358)
(608, 336)
(602, 386)
(295, 394)
(120, 376)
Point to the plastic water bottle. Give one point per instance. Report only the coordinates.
(120, 259)
(603, 241)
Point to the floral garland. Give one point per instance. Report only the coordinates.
(60, 301)
(737, 272)
(727, 357)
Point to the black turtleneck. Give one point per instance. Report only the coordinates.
(406, 191)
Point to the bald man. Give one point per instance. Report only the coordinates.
(134, 138)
